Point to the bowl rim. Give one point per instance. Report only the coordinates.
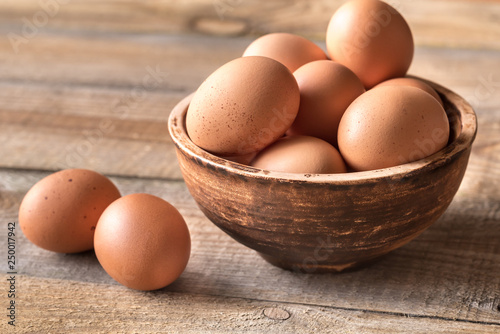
(468, 130)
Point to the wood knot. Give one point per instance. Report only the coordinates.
(276, 313)
(216, 27)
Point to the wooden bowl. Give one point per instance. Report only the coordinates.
(326, 222)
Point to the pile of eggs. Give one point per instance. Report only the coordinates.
(140, 240)
(284, 106)
(287, 106)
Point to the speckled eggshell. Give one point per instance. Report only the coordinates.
(60, 212)
(142, 242)
(327, 88)
(291, 50)
(243, 106)
(372, 39)
(409, 81)
(391, 125)
(300, 154)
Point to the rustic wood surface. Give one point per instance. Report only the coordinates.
(92, 87)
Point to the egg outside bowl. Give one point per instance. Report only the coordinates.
(326, 222)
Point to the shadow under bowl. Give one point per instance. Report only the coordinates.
(326, 222)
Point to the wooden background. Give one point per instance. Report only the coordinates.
(72, 94)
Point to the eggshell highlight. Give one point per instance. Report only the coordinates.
(300, 154)
(372, 39)
(291, 50)
(392, 125)
(60, 212)
(326, 88)
(243, 106)
(142, 242)
(413, 82)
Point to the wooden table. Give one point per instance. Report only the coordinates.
(73, 95)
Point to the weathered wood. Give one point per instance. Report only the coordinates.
(74, 101)
(91, 108)
(464, 23)
(86, 69)
(449, 272)
(57, 306)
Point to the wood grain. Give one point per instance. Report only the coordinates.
(450, 272)
(102, 308)
(85, 70)
(76, 100)
(465, 23)
(91, 102)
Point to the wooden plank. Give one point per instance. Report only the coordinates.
(449, 272)
(75, 101)
(53, 305)
(85, 71)
(464, 23)
(74, 306)
(474, 74)
(144, 62)
(78, 129)
(89, 107)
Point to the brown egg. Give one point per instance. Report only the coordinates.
(142, 242)
(60, 212)
(243, 106)
(291, 50)
(414, 82)
(391, 125)
(372, 39)
(327, 88)
(300, 154)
